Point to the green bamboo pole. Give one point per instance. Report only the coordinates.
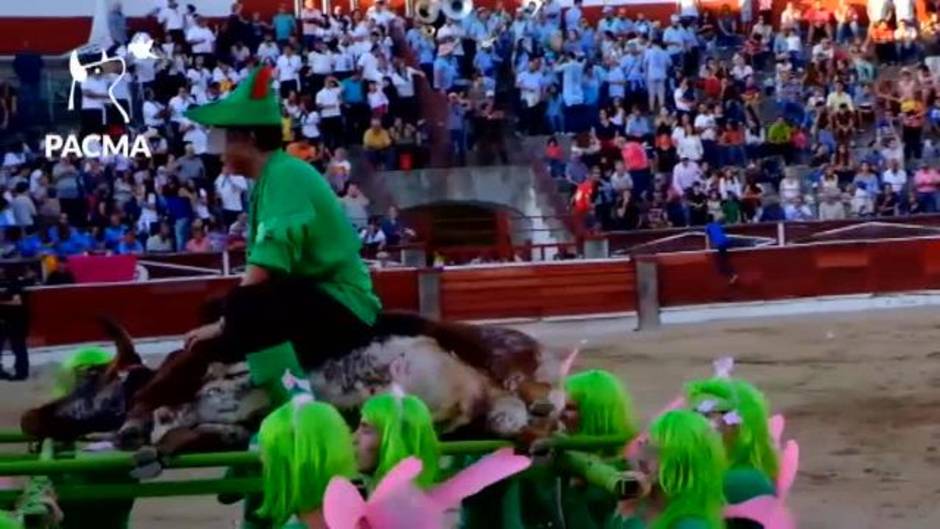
(108, 462)
(597, 473)
(116, 461)
(14, 436)
(154, 489)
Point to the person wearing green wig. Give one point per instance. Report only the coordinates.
(105, 514)
(303, 444)
(684, 460)
(598, 404)
(740, 413)
(391, 428)
(85, 358)
(8, 522)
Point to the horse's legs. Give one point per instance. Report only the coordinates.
(176, 382)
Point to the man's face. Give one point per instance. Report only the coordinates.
(239, 151)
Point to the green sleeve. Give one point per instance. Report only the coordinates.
(586, 507)
(512, 507)
(744, 483)
(690, 523)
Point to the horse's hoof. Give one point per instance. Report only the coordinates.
(148, 471)
(147, 464)
(541, 408)
(133, 435)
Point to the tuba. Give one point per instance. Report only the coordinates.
(428, 31)
(457, 9)
(427, 11)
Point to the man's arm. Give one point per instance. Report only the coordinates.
(255, 275)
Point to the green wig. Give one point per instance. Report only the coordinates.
(751, 445)
(7, 521)
(303, 445)
(604, 405)
(405, 429)
(67, 374)
(691, 467)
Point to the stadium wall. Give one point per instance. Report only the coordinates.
(67, 314)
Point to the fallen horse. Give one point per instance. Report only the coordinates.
(482, 379)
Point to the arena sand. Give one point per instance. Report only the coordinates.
(861, 392)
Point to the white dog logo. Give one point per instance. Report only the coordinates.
(140, 47)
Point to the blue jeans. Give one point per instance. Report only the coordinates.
(556, 123)
(181, 231)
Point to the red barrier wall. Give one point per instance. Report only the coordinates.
(801, 271)
(67, 314)
(538, 290)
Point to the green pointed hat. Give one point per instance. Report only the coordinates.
(252, 103)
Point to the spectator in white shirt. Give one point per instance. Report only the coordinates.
(310, 123)
(94, 99)
(684, 175)
(196, 135)
(288, 71)
(172, 19)
(310, 17)
(268, 50)
(380, 14)
(320, 61)
(231, 189)
(178, 105)
(690, 145)
(329, 100)
(154, 112)
(895, 176)
(403, 79)
(201, 40)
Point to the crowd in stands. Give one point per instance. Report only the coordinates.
(342, 90)
(724, 115)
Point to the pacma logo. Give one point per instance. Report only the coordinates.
(98, 145)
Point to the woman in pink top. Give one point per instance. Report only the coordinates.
(199, 243)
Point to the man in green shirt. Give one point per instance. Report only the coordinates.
(304, 287)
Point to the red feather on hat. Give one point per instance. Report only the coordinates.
(259, 90)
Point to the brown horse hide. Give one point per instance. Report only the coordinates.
(489, 377)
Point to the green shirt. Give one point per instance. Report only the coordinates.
(779, 133)
(529, 500)
(299, 227)
(618, 522)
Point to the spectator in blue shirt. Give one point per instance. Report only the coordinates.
(129, 244)
(284, 25)
(720, 242)
(393, 228)
(457, 126)
(114, 232)
(573, 15)
(356, 109)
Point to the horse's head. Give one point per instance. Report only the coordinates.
(94, 393)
